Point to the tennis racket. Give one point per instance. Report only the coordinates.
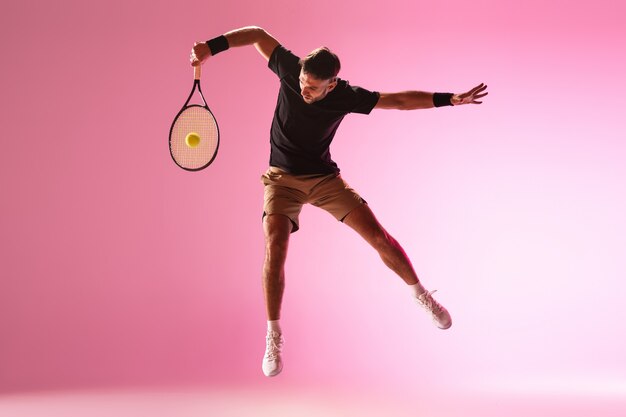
(194, 135)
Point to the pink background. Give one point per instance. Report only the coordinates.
(121, 270)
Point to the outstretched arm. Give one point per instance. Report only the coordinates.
(251, 35)
(413, 100)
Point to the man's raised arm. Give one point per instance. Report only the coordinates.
(251, 35)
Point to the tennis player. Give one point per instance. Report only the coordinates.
(312, 102)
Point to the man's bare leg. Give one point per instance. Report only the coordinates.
(363, 221)
(276, 229)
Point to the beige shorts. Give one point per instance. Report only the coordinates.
(286, 194)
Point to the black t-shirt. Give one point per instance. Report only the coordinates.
(301, 133)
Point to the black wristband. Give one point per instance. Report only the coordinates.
(442, 99)
(217, 45)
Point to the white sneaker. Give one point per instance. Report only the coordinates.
(272, 362)
(440, 315)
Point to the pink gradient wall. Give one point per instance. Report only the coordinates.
(118, 268)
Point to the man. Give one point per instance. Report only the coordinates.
(312, 102)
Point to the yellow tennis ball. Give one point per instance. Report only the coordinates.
(192, 140)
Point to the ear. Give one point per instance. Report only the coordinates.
(332, 85)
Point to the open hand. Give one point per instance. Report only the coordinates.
(470, 97)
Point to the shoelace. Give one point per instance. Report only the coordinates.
(429, 303)
(274, 342)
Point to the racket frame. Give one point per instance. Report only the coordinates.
(196, 85)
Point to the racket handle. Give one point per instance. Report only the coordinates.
(197, 71)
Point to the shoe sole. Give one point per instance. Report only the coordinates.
(273, 374)
(445, 328)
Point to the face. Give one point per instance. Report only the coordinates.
(313, 89)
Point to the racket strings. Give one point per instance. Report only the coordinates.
(199, 120)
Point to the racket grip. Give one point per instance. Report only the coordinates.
(197, 71)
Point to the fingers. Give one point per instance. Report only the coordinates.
(478, 89)
(476, 95)
(472, 96)
(193, 58)
(199, 53)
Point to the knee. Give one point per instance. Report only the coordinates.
(277, 231)
(383, 241)
(275, 242)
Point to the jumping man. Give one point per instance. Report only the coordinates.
(312, 102)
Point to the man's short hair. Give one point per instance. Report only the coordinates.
(321, 63)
